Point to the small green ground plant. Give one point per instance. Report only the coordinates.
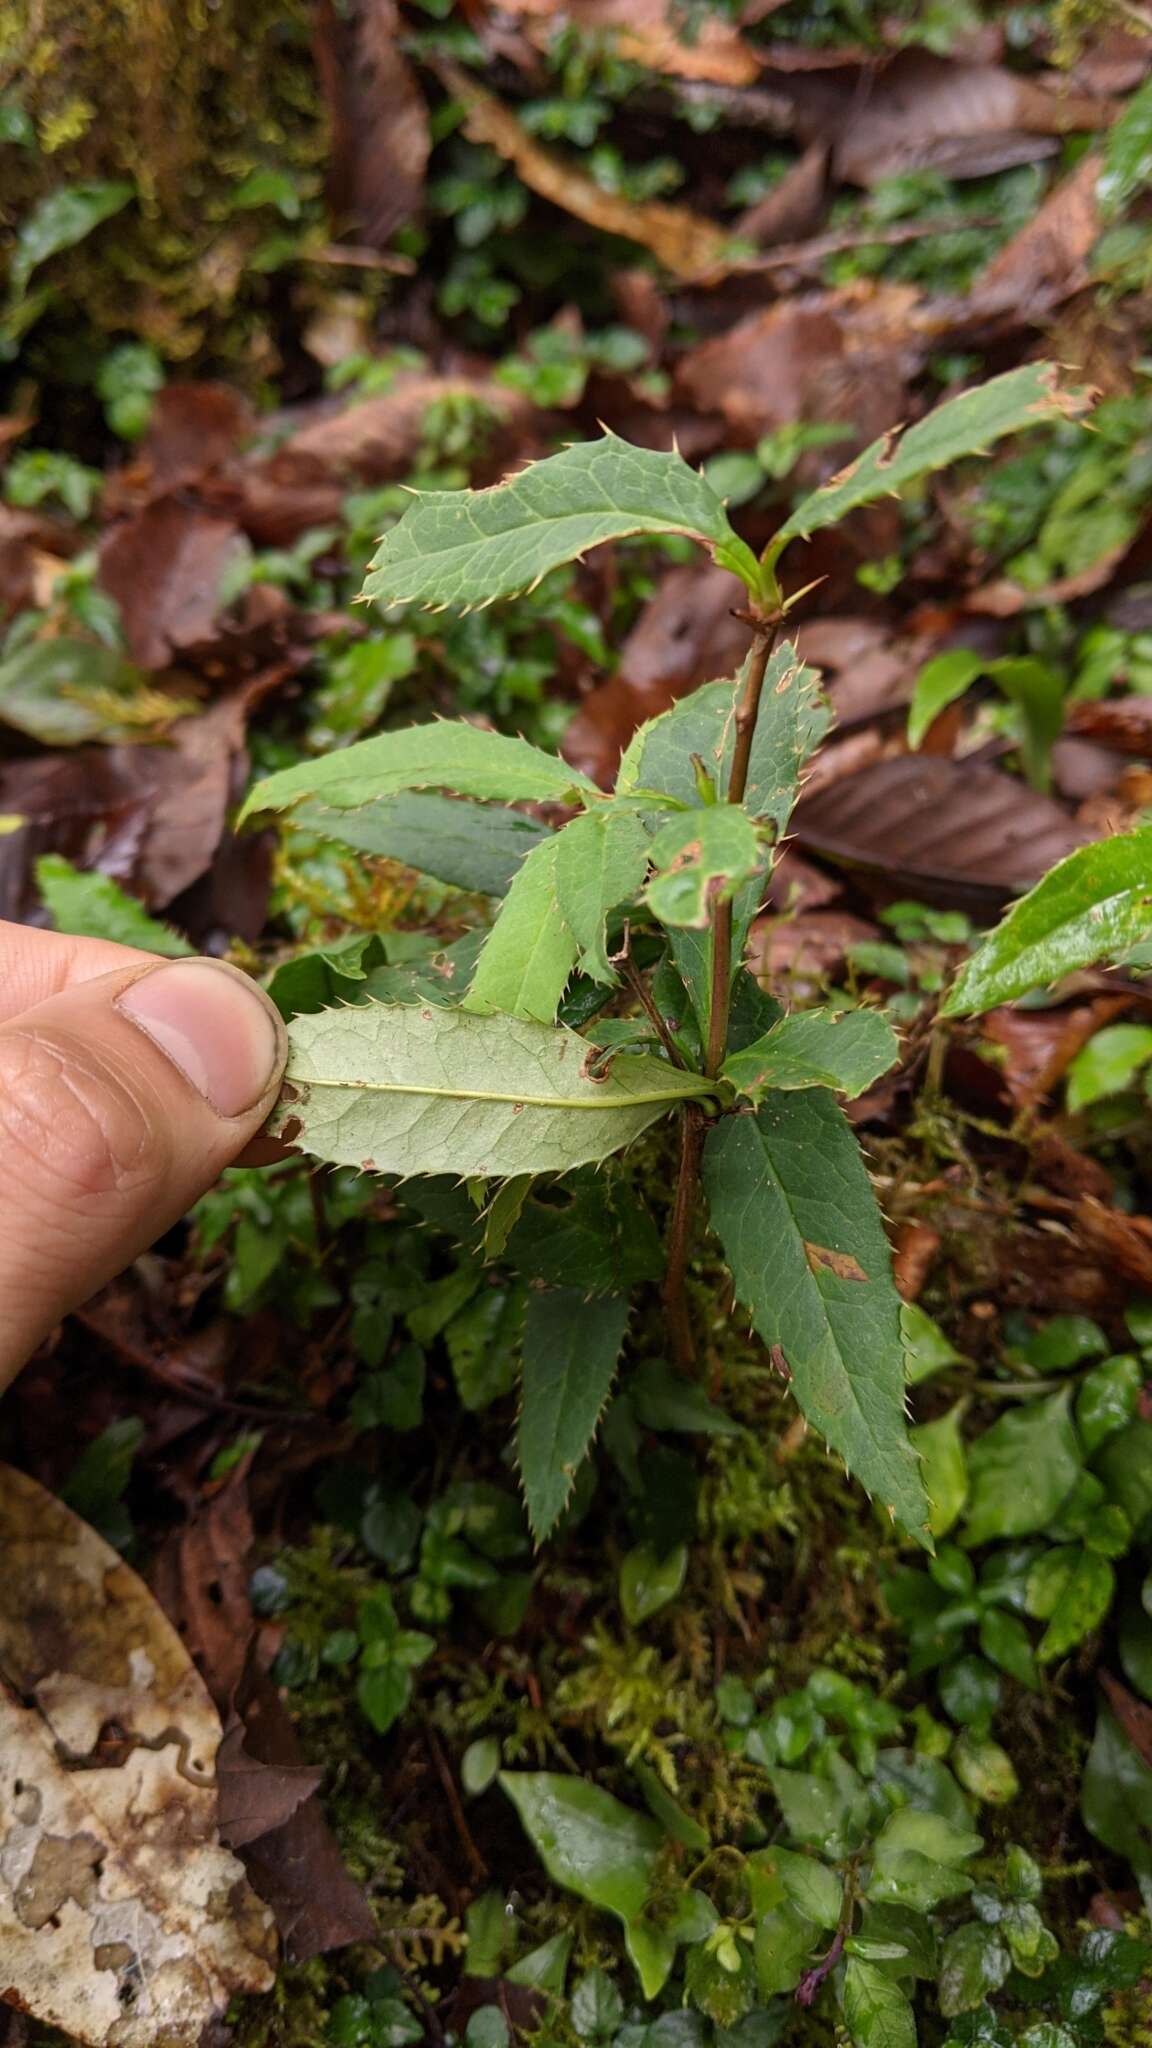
(609, 991)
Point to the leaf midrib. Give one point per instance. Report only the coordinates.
(612, 1103)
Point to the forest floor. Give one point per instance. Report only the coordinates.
(764, 234)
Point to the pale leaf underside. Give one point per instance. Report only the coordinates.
(403, 1090)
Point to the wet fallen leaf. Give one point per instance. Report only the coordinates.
(380, 133)
(1122, 1243)
(843, 355)
(946, 832)
(1041, 1044)
(122, 1918)
(1123, 723)
(378, 438)
(686, 634)
(1134, 1716)
(923, 112)
(296, 1866)
(650, 33)
(193, 429)
(200, 1577)
(1048, 259)
(793, 208)
(164, 566)
(913, 1253)
(685, 243)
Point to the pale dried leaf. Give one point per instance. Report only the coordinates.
(122, 1918)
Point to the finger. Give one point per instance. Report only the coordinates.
(35, 965)
(121, 1101)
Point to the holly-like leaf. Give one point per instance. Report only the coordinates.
(702, 859)
(1095, 905)
(465, 548)
(398, 1089)
(570, 1347)
(793, 719)
(473, 846)
(790, 1201)
(815, 1049)
(529, 954)
(441, 756)
(93, 906)
(601, 860)
(1029, 397)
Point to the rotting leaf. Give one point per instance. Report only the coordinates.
(122, 1918)
(963, 837)
(380, 132)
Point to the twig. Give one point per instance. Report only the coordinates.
(643, 996)
(680, 1235)
(444, 1773)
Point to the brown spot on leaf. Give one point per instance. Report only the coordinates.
(822, 1259)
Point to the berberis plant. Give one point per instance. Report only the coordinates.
(628, 922)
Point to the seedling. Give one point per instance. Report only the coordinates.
(642, 902)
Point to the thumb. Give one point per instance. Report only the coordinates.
(121, 1101)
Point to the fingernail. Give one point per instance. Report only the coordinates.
(215, 1025)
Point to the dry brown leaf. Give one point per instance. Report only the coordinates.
(843, 355)
(793, 208)
(947, 832)
(122, 1918)
(380, 135)
(164, 567)
(913, 1251)
(1048, 259)
(923, 112)
(378, 438)
(685, 243)
(200, 1578)
(647, 31)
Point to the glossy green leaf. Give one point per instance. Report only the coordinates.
(65, 216)
(1124, 1464)
(877, 2009)
(1109, 1062)
(945, 1470)
(701, 859)
(545, 1968)
(571, 1347)
(1029, 397)
(465, 548)
(815, 1049)
(600, 861)
(791, 1203)
(1006, 1643)
(927, 1350)
(95, 907)
(396, 1089)
(918, 1860)
(603, 1851)
(814, 1889)
(1021, 1470)
(445, 755)
(785, 1942)
(1116, 1799)
(984, 1769)
(1108, 1399)
(1071, 1589)
(940, 682)
(648, 1581)
(1127, 154)
(528, 956)
(974, 1962)
(66, 691)
(793, 719)
(473, 846)
(1095, 905)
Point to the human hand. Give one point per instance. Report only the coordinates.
(127, 1085)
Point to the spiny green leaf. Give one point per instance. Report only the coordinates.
(601, 860)
(703, 857)
(96, 907)
(790, 1201)
(570, 1350)
(441, 756)
(397, 1089)
(1029, 397)
(465, 548)
(793, 719)
(529, 954)
(816, 1049)
(477, 847)
(1094, 905)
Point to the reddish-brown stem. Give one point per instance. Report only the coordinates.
(681, 1342)
(643, 996)
(747, 712)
